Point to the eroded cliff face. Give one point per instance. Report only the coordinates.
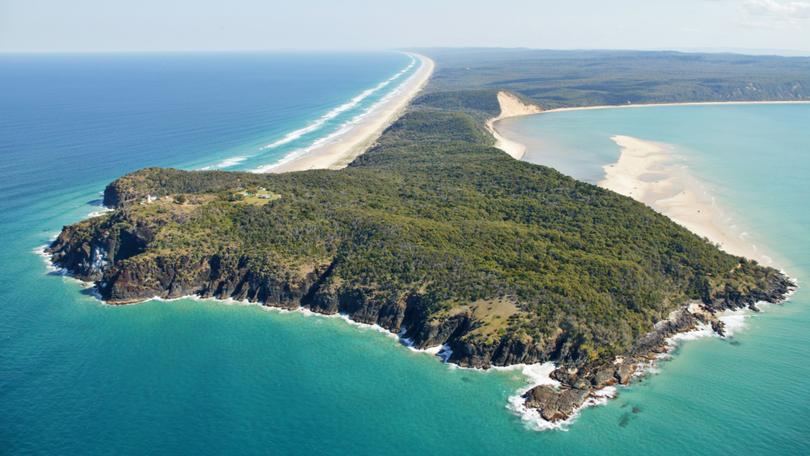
(113, 260)
(127, 256)
(88, 249)
(579, 382)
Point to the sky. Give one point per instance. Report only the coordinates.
(782, 26)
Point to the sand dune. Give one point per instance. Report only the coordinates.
(511, 106)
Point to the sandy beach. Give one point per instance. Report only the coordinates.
(511, 106)
(345, 147)
(654, 174)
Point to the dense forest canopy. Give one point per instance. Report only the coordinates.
(556, 79)
(432, 231)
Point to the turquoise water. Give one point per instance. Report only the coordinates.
(200, 377)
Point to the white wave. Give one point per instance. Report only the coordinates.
(229, 162)
(534, 421)
(540, 374)
(99, 213)
(47, 258)
(318, 123)
(344, 128)
(442, 351)
(435, 350)
(734, 320)
(41, 251)
(701, 331)
(226, 163)
(99, 255)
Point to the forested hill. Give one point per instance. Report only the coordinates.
(432, 231)
(432, 234)
(554, 79)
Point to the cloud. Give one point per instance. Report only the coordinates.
(784, 10)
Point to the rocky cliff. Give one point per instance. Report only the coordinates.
(433, 235)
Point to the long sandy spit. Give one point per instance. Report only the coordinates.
(340, 151)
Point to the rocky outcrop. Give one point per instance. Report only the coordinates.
(730, 297)
(554, 404)
(125, 277)
(578, 383)
(112, 252)
(504, 352)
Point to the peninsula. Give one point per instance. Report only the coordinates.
(435, 234)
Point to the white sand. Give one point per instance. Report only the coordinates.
(511, 106)
(653, 174)
(347, 146)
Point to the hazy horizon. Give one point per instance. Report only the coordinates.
(762, 52)
(748, 26)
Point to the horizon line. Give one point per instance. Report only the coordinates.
(691, 50)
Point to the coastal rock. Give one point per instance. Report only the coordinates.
(624, 373)
(719, 327)
(773, 288)
(424, 331)
(603, 377)
(368, 306)
(503, 352)
(553, 404)
(428, 262)
(581, 383)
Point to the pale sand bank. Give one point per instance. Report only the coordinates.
(511, 106)
(345, 147)
(652, 173)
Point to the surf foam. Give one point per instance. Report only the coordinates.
(321, 121)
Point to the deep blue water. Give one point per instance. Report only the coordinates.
(200, 377)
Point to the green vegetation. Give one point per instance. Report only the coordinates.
(434, 211)
(433, 224)
(556, 79)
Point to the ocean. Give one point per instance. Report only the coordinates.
(205, 377)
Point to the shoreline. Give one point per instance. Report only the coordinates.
(685, 103)
(517, 403)
(650, 173)
(511, 106)
(653, 174)
(350, 144)
(538, 374)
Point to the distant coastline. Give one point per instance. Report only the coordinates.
(688, 103)
(346, 147)
(507, 106)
